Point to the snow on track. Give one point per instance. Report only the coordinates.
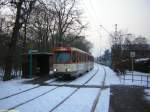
(78, 81)
(103, 103)
(23, 97)
(111, 77)
(81, 101)
(85, 77)
(46, 102)
(97, 80)
(17, 89)
(13, 86)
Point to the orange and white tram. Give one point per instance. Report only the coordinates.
(71, 62)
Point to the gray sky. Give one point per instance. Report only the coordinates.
(130, 15)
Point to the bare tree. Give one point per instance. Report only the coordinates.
(41, 26)
(21, 13)
(54, 21)
(67, 19)
(82, 43)
(140, 40)
(3, 3)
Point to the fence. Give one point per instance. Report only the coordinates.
(140, 80)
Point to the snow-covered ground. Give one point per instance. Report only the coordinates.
(80, 102)
(14, 86)
(45, 98)
(111, 77)
(23, 97)
(46, 102)
(103, 103)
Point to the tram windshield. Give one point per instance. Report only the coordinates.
(63, 57)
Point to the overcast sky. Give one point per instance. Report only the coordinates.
(130, 15)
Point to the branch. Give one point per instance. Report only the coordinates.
(69, 12)
(77, 36)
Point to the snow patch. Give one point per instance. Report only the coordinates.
(142, 59)
(103, 103)
(111, 77)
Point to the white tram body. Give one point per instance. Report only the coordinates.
(71, 62)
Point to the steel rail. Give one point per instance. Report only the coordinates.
(49, 92)
(99, 93)
(72, 93)
(23, 91)
(32, 98)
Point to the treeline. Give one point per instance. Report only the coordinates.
(122, 37)
(42, 24)
(120, 42)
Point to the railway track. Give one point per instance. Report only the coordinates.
(18, 105)
(23, 91)
(14, 94)
(47, 93)
(99, 93)
(72, 93)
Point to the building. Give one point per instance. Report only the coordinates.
(121, 55)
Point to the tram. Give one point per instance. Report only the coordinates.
(71, 62)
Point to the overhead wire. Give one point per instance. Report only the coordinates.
(91, 4)
(94, 11)
(90, 14)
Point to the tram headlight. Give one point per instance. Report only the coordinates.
(54, 69)
(68, 70)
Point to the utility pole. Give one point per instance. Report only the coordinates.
(100, 41)
(116, 33)
(132, 55)
(1, 23)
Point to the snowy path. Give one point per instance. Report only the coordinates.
(63, 98)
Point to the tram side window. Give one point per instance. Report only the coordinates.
(80, 57)
(74, 57)
(84, 58)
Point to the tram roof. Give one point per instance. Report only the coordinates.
(38, 53)
(70, 49)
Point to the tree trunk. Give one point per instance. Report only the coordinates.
(12, 45)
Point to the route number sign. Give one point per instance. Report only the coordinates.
(132, 54)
